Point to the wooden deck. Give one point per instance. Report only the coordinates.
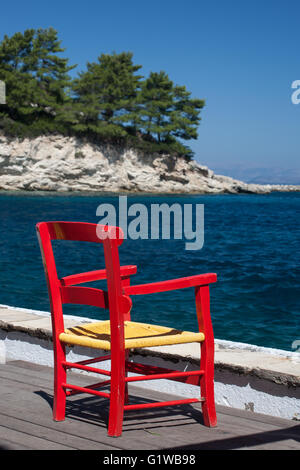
(26, 421)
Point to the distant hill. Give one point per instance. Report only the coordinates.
(261, 175)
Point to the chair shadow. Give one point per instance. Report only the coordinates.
(95, 410)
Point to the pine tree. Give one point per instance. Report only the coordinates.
(36, 77)
(109, 101)
(106, 95)
(184, 118)
(50, 70)
(168, 112)
(15, 72)
(156, 98)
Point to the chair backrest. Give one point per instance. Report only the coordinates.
(111, 237)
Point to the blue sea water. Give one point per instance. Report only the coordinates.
(251, 242)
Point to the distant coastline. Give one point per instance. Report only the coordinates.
(57, 163)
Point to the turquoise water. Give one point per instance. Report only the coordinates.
(251, 242)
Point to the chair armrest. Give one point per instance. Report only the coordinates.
(173, 284)
(97, 275)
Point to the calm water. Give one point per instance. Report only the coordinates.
(251, 242)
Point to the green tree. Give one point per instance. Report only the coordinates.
(36, 77)
(109, 101)
(185, 115)
(14, 72)
(168, 113)
(106, 95)
(156, 99)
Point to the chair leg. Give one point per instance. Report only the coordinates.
(207, 389)
(59, 400)
(207, 355)
(117, 398)
(126, 396)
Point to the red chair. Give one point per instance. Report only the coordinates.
(119, 333)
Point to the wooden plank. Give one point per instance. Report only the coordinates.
(55, 436)
(87, 420)
(140, 429)
(256, 417)
(15, 440)
(26, 420)
(37, 372)
(252, 423)
(226, 411)
(40, 378)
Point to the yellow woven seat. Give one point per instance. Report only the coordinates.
(137, 335)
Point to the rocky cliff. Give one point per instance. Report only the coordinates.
(56, 163)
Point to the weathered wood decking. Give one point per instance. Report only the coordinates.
(26, 421)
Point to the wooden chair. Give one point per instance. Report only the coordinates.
(119, 334)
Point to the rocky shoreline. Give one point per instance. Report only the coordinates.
(63, 164)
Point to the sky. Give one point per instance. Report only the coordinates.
(240, 56)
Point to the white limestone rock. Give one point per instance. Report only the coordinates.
(58, 163)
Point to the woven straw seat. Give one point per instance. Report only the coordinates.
(137, 335)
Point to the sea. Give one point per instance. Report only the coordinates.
(250, 241)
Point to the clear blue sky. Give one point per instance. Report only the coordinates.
(240, 56)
